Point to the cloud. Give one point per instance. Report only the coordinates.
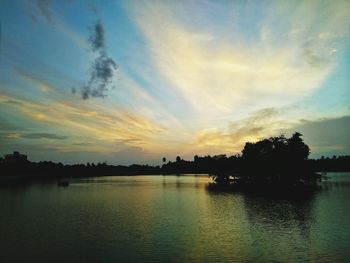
(44, 7)
(6, 126)
(325, 136)
(220, 74)
(12, 102)
(41, 84)
(43, 136)
(242, 78)
(133, 155)
(97, 39)
(15, 132)
(106, 128)
(135, 140)
(206, 81)
(231, 139)
(101, 70)
(103, 131)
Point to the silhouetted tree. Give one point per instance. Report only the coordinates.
(297, 149)
(273, 161)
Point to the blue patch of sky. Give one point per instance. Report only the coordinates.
(127, 45)
(40, 46)
(333, 98)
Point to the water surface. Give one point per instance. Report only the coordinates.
(170, 219)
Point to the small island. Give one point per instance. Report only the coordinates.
(272, 164)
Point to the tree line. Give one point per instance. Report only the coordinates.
(275, 159)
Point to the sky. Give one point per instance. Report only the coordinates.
(134, 81)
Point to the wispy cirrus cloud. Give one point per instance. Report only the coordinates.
(230, 139)
(18, 134)
(41, 84)
(119, 125)
(44, 8)
(231, 72)
(220, 74)
(195, 78)
(50, 136)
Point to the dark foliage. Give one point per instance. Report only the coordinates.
(21, 168)
(274, 161)
(277, 160)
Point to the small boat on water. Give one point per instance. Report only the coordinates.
(63, 183)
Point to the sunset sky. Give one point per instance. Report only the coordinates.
(133, 81)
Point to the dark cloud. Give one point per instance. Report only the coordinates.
(43, 136)
(100, 77)
(257, 125)
(97, 38)
(131, 155)
(253, 126)
(130, 141)
(82, 143)
(316, 54)
(326, 136)
(262, 115)
(7, 126)
(14, 132)
(101, 70)
(44, 7)
(313, 58)
(8, 131)
(15, 102)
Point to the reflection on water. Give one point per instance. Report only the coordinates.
(170, 219)
(285, 224)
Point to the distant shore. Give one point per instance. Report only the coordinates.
(271, 163)
(200, 165)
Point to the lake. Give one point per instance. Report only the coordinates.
(170, 219)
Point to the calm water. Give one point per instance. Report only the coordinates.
(170, 219)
